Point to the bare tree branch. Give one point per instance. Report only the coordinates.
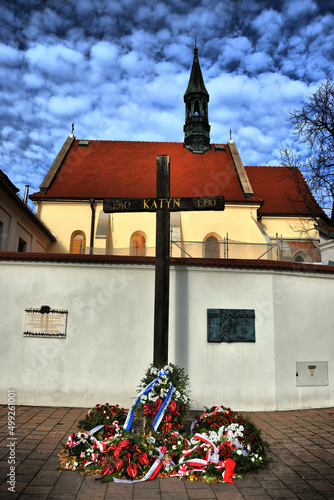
(313, 124)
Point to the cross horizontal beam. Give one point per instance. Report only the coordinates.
(154, 204)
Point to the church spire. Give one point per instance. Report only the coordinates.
(196, 98)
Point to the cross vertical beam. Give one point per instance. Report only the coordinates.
(161, 305)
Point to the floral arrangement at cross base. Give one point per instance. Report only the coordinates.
(224, 444)
(221, 445)
(166, 401)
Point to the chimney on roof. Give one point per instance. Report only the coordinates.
(26, 194)
(196, 128)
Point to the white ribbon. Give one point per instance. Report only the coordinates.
(97, 428)
(159, 417)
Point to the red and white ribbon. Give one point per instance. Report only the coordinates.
(200, 464)
(151, 473)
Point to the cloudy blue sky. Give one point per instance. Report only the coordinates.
(119, 69)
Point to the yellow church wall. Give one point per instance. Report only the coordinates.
(236, 220)
(122, 227)
(291, 228)
(64, 219)
(237, 224)
(247, 238)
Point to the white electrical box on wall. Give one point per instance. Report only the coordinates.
(310, 373)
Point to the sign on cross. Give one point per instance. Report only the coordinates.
(163, 204)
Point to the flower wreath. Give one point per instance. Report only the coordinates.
(162, 399)
(221, 443)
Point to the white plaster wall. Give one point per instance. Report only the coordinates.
(327, 252)
(231, 374)
(304, 331)
(109, 341)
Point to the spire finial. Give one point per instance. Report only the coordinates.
(196, 128)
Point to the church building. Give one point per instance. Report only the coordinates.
(269, 211)
(250, 316)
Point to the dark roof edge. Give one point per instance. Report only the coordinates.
(27, 210)
(328, 231)
(7, 183)
(53, 170)
(240, 169)
(213, 263)
(41, 196)
(294, 214)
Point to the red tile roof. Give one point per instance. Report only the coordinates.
(127, 169)
(283, 190)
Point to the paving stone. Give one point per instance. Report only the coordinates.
(91, 489)
(119, 488)
(172, 496)
(172, 485)
(231, 495)
(281, 494)
(149, 493)
(323, 485)
(46, 478)
(254, 493)
(67, 485)
(37, 490)
(34, 497)
(120, 496)
(201, 494)
(303, 465)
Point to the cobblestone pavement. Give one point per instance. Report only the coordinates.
(301, 445)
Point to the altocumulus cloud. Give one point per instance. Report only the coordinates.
(119, 69)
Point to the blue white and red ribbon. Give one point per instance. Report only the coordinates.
(161, 412)
(146, 390)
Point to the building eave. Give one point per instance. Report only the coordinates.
(250, 264)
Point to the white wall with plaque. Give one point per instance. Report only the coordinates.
(45, 322)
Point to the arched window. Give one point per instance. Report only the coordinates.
(302, 256)
(196, 108)
(211, 247)
(299, 258)
(138, 243)
(78, 242)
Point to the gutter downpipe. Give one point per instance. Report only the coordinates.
(92, 227)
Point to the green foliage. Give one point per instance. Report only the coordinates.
(103, 414)
(150, 403)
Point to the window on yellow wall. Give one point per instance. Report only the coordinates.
(211, 248)
(78, 242)
(138, 244)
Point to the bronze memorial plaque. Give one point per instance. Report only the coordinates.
(231, 325)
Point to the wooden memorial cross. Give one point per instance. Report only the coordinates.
(163, 204)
